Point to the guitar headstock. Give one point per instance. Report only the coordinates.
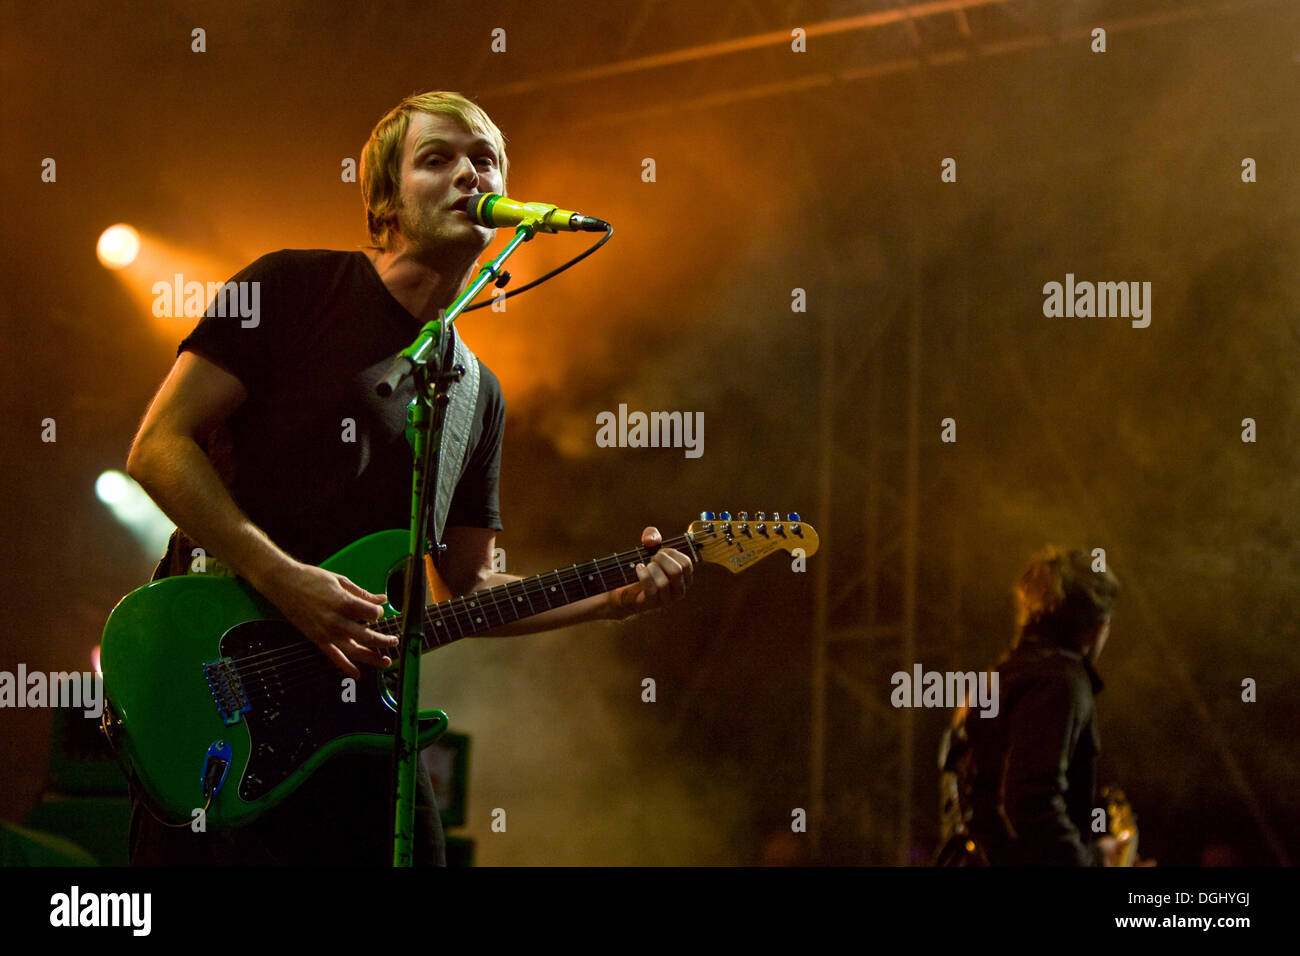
(736, 543)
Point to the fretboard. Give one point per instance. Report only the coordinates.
(483, 610)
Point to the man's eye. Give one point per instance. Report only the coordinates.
(489, 160)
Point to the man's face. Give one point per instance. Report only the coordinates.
(441, 163)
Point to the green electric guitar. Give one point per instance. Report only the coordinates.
(216, 703)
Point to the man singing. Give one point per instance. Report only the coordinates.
(268, 447)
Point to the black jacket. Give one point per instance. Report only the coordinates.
(1034, 785)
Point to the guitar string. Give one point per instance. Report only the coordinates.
(391, 624)
(284, 660)
(308, 653)
(304, 664)
(465, 606)
(463, 612)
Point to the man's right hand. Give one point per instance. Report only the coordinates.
(328, 608)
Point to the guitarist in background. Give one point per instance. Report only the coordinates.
(268, 446)
(1020, 788)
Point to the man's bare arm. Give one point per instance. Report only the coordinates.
(168, 461)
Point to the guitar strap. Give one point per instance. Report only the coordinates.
(457, 426)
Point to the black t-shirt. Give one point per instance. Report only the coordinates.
(313, 456)
(327, 329)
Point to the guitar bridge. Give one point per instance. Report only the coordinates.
(227, 690)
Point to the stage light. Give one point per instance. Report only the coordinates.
(111, 487)
(118, 246)
(133, 507)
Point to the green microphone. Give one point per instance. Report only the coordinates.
(497, 212)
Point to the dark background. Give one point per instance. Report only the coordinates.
(775, 170)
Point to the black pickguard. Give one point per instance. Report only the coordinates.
(297, 706)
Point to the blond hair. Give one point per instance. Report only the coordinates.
(381, 159)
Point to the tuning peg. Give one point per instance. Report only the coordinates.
(761, 516)
(707, 516)
(725, 516)
(792, 516)
(743, 516)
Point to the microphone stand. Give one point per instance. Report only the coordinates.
(427, 360)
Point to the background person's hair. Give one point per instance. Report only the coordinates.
(381, 158)
(1061, 599)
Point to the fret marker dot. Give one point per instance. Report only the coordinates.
(478, 620)
(552, 587)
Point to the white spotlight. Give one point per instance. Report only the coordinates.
(118, 246)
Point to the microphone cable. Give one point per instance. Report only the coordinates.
(550, 275)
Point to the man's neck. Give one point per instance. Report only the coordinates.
(420, 289)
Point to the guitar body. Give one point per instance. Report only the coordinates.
(195, 665)
(210, 691)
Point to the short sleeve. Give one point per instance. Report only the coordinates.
(243, 329)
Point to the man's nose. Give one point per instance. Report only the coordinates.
(466, 173)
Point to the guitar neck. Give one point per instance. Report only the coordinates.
(480, 611)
